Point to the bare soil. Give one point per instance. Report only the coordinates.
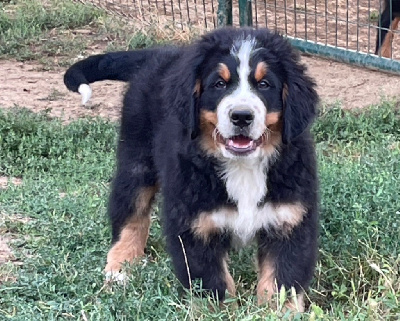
(27, 85)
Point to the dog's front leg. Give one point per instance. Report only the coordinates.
(205, 260)
(286, 261)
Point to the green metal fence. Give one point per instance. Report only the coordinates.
(343, 30)
(350, 52)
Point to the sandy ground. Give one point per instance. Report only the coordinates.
(26, 85)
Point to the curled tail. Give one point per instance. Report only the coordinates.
(121, 65)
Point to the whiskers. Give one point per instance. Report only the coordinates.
(217, 137)
(266, 135)
(214, 134)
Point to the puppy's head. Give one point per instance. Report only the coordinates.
(253, 96)
(240, 103)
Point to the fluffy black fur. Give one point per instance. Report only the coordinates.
(159, 144)
(390, 12)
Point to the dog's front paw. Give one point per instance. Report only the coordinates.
(119, 277)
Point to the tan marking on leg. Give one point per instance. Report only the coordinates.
(296, 304)
(224, 72)
(130, 245)
(386, 48)
(261, 71)
(289, 216)
(208, 123)
(230, 283)
(134, 234)
(266, 286)
(144, 200)
(395, 23)
(203, 226)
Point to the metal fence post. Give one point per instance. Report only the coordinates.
(224, 13)
(245, 14)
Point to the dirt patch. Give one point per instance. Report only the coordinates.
(4, 181)
(8, 262)
(5, 251)
(26, 85)
(353, 87)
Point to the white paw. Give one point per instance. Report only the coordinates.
(114, 276)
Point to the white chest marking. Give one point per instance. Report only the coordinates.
(246, 186)
(245, 224)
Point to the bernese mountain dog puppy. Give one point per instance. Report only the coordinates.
(221, 127)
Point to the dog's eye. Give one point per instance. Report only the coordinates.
(263, 84)
(220, 84)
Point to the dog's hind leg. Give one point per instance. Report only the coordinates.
(384, 23)
(386, 49)
(132, 194)
(130, 237)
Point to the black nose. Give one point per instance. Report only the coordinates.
(242, 118)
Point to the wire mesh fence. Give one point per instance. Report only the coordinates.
(178, 12)
(348, 24)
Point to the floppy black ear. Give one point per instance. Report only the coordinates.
(194, 86)
(300, 103)
(184, 90)
(195, 110)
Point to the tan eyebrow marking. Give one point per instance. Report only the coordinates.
(261, 71)
(224, 72)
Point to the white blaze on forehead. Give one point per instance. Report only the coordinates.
(243, 54)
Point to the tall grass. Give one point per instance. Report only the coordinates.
(54, 32)
(30, 29)
(64, 237)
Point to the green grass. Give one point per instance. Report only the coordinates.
(33, 29)
(55, 32)
(57, 219)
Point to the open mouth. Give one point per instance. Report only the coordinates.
(240, 145)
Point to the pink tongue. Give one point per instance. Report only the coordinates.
(240, 142)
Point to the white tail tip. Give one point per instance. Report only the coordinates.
(86, 93)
